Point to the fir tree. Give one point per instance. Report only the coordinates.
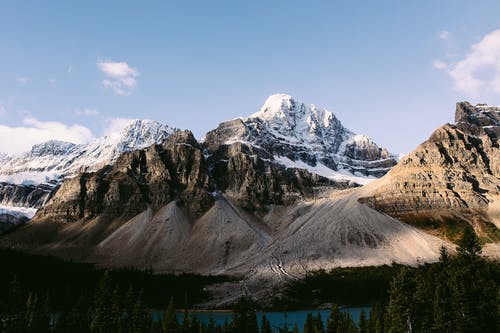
(318, 324)
(211, 327)
(185, 327)
(333, 320)
(401, 294)
(469, 245)
(265, 327)
(363, 323)
(309, 324)
(140, 316)
(37, 315)
(14, 315)
(75, 320)
(106, 310)
(244, 317)
(170, 323)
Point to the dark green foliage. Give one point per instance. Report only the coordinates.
(36, 314)
(363, 323)
(333, 320)
(75, 320)
(348, 286)
(318, 324)
(245, 317)
(309, 324)
(340, 322)
(140, 316)
(469, 244)
(265, 326)
(106, 313)
(455, 295)
(66, 282)
(377, 319)
(170, 324)
(399, 312)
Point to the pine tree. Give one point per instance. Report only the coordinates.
(185, 327)
(333, 320)
(265, 327)
(309, 324)
(75, 320)
(377, 316)
(106, 308)
(400, 300)
(211, 327)
(363, 323)
(141, 319)
(318, 324)
(13, 318)
(244, 317)
(193, 325)
(170, 323)
(469, 245)
(346, 324)
(37, 315)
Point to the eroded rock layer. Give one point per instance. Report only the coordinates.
(453, 176)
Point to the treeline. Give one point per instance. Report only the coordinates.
(457, 294)
(113, 310)
(66, 282)
(351, 286)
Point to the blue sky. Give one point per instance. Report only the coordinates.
(389, 69)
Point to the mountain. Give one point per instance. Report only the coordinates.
(451, 179)
(29, 180)
(301, 136)
(229, 205)
(223, 207)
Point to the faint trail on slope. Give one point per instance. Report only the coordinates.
(262, 237)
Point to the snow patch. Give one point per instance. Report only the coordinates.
(324, 171)
(18, 211)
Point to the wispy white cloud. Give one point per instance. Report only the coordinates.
(23, 79)
(52, 81)
(69, 69)
(438, 64)
(478, 73)
(86, 112)
(14, 140)
(3, 110)
(114, 126)
(444, 35)
(120, 77)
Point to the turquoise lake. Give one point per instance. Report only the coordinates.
(277, 319)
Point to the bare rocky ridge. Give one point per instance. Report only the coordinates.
(29, 180)
(452, 177)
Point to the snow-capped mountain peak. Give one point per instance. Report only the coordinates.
(51, 161)
(282, 112)
(138, 134)
(51, 147)
(299, 134)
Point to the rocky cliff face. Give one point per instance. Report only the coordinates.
(452, 177)
(30, 179)
(155, 176)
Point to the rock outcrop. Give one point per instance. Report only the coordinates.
(452, 177)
